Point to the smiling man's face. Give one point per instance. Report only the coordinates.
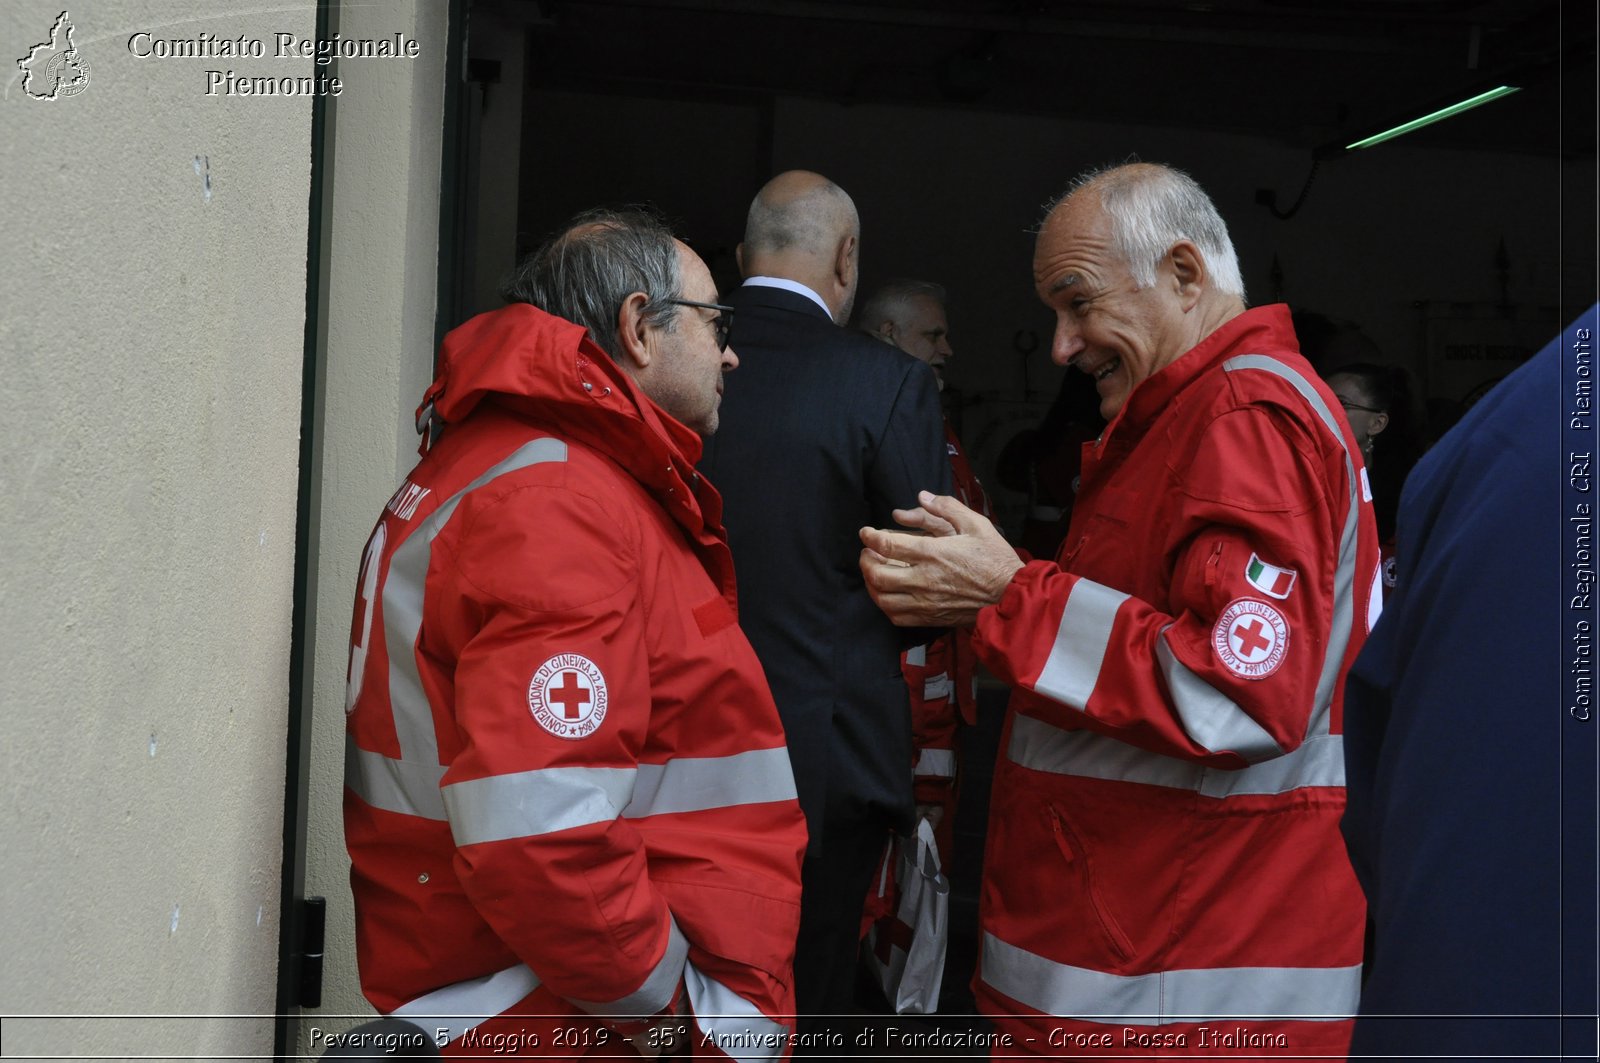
(1106, 326)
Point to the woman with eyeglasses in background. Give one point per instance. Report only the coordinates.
(1376, 400)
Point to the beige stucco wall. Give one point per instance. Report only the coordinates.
(152, 300)
(387, 133)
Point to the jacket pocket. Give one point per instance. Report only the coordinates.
(1073, 852)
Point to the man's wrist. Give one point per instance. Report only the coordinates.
(1004, 574)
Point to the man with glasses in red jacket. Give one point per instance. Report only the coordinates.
(568, 801)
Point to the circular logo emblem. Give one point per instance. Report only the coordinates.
(1250, 638)
(67, 73)
(568, 696)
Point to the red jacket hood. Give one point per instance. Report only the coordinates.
(548, 370)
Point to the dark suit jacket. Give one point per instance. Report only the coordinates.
(824, 430)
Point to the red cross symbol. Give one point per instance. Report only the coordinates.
(891, 932)
(1251, 637)
(569, 695)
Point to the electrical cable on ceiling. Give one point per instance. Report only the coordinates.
(1270, 200)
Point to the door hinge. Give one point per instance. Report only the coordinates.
(313, 927)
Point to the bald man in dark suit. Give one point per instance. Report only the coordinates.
(824, 430)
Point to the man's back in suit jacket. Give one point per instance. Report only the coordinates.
(824, 430)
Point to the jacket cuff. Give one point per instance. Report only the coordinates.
(657, 996)
(1011, 599)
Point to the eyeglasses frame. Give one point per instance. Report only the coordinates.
(1357, 406)
(723, 322)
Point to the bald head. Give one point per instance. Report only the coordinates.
(798, 213)
(803, 227)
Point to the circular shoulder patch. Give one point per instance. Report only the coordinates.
(1251, 638)
(568, 696)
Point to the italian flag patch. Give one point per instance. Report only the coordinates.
(1269, 579)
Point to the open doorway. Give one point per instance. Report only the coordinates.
(952, 121)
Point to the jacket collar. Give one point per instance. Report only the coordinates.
(1263, 328)
(779, 299)
(548, 371)
(788, 285)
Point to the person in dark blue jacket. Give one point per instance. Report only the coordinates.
(1471, 818)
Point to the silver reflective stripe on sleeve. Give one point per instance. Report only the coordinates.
(658, 988)
(1344, 576)
(386, 783)
(731, 1022)
(414, 790)
(460, 1007)
(526, 804)
(1208, 715)
(935, 687)
(917, 655)
(698, 784)
(1073, 667)
(1034, 744)
(1213, 720)
(940, 762)
(1318, 761)
(1309, 994)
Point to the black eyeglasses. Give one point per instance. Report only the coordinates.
(1348, 405)
(723, 322)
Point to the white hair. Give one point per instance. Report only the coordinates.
(890, 301)
(1152, 207)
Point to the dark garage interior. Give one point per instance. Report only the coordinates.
(1457, 249)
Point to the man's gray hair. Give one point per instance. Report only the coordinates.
(1152, 207)
(886, 302)
(588, 269)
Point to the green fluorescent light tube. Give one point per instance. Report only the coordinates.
(1436, 116)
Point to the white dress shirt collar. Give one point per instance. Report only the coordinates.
(788, 286)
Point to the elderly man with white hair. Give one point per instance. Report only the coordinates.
(1165, 873)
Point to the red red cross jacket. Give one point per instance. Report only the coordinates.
(567, 789)
(1164, 860)
(941, 677)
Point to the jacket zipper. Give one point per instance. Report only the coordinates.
(1120, 944)
(1214, 564)
(1066, 558)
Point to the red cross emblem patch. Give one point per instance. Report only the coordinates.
(568, 696)
(1251, 638)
